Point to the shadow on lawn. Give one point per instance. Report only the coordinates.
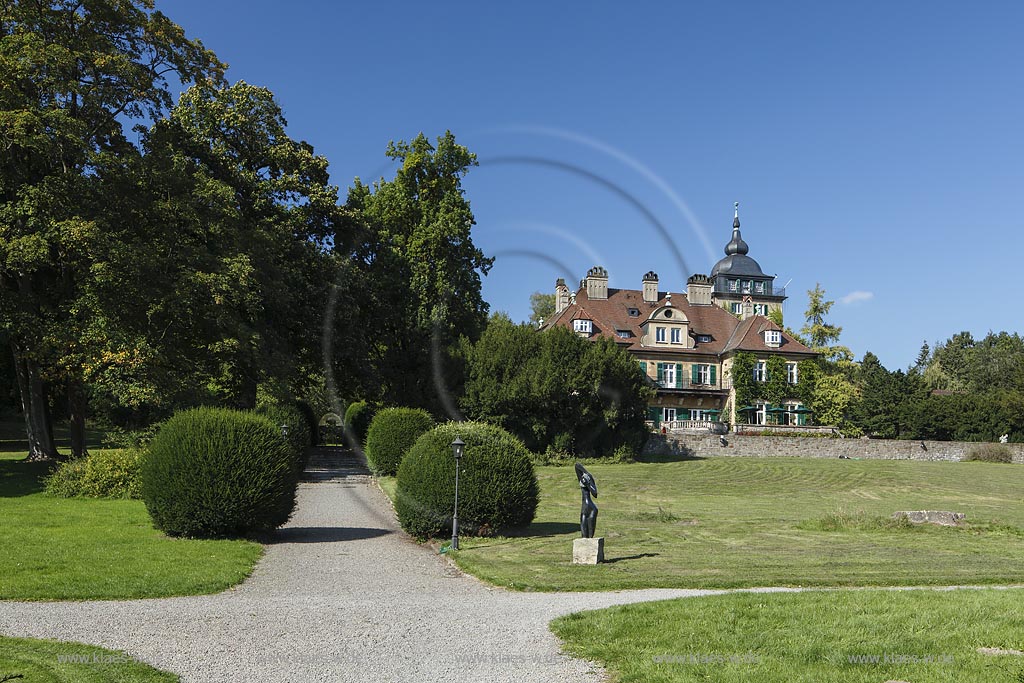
(21, 478)
(630, 557)
(320, 534)
(544, 530)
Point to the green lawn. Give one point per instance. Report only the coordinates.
(741, 522)
(77, 549)
(928, 636)
(48, 661)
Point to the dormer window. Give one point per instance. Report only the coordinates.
(583, 326)
(623, 334)
(773, 338)
(633, 312)
(703, 338)
(659, 335)
(677, 336)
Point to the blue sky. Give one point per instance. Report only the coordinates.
(876, 148)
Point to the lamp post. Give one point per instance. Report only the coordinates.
(457, 447)
(284, 431)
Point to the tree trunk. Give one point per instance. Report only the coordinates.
(35, 407)
(77, 406)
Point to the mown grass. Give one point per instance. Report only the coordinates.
(40, 661)
(80, 548)
(929, 637)
(742, 522)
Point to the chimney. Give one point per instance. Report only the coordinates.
(698, 290)
(597, 283)
(651, 287)
(748, 308)
(561, 295)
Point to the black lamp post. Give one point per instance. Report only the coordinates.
(457, 447)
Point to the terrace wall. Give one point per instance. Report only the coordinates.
(741, 445)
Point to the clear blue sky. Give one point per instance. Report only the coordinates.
(876, 148)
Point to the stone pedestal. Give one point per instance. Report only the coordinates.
(588, 550)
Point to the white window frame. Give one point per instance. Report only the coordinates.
(676, 335)
(668, 375)
(792, 373)
(659, 335)
(668, 414)
(622, 334)
(704, 338)
(773, 338)
(737, 308)
(734, 285)
(761, 372)
(584, 326)
(761, 309)
(698, 415)
(761, 415)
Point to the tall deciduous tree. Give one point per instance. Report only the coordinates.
(542, 307)
(72, 72)
(422, 270)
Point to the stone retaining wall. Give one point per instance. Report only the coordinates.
(739, 445)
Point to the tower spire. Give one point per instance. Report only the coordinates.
(736, 244)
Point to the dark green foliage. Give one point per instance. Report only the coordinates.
(299, 436)
(102, 474)
(553, 389)
(214, 472)
(497, 486)
(776, 388)
(357, 421)
(392, 432)
(312, 421)
(990, 452)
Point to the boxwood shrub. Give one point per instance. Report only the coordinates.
(497, 485)
(110, 473)
(214, 472)
(300, 436)
(357, 421)
(392, 432)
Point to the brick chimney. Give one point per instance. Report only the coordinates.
(651, 287)
(561, 295)
(597, 283)
(698, 290)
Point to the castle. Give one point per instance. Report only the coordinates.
(687, 342)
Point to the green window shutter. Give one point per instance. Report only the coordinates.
(654, 415)
(661, 371)
(693, 373)
(643, 366)
(713, 375)
(679, 375)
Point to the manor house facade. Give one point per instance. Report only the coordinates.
(686, 342)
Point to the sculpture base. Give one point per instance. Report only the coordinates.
(588, 550)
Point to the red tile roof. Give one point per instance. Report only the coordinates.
(728, 334)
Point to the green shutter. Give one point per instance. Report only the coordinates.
(679, 375)
(661, 371)
(643, 366)
(713, 375)
(693, 373)
(654, 415)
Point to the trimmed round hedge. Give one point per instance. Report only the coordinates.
(497, 485)
(392, 433)
(214, 472)
(357, 421)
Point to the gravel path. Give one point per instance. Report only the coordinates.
(342, 594)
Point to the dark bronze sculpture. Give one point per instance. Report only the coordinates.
(588, 512)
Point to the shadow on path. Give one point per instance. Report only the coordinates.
(320, 534)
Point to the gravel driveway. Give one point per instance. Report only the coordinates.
(342, 594)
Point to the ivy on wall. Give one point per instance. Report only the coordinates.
(776, 386)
